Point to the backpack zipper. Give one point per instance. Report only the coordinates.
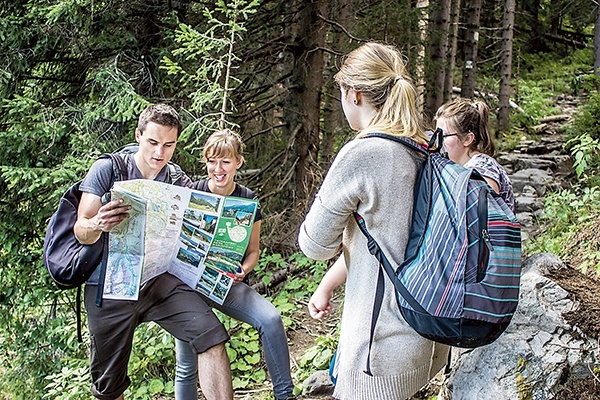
(485, 244)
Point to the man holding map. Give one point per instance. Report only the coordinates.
(164, 299)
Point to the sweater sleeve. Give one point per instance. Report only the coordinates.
(321, 233)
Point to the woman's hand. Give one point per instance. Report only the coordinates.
(319, 304)
(239, 276)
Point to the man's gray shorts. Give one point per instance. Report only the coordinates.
(165, 300)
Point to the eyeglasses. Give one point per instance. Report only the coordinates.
(450, 134)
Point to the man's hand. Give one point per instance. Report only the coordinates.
(110, 215)
(95, 218)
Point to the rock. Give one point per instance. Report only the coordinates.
(542, 263)
(540, 180)
(538, 351)
(318, 383)
(525, 218)
(528, 203)
(526, 161)
(554, 162)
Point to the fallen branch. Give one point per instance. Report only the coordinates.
(492, 96)
(276, 278)
(555, 118)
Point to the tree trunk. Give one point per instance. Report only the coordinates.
(597, 44)
(452, 46)
(334, 123)
(508, 21)
(536, 42)
(435, 67)
(473, 13)
(423, 6)
(302, 107)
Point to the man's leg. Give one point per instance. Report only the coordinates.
(111, 330)
(179, 310)
(214, 372)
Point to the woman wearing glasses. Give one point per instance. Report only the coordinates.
(468, 142)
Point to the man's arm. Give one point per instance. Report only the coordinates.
(93, 218)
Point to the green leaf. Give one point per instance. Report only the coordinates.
(156, 386)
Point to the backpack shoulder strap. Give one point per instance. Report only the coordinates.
(405, 141)
(119, 164)
(434, 146)
(175, 172)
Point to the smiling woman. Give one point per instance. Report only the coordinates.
(223, 156)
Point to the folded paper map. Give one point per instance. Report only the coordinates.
(197, 236)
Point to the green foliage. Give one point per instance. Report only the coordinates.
(534, 99)
(151, 368)
(586, 121)
(38, 344)
(543, 77)
(567, 213)
(244, 350)
(556, 74)
(317, 357)
(32, 317)
(584, 141)
(203, 63)
(201, 66)
(510, 140)
(586, 157)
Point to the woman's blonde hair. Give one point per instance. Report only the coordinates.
(223, 143)
(378, 72)
(468, 116)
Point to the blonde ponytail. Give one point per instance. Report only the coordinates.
(379, 73)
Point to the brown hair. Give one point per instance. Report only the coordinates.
(468, 116)
(161, 114)
(223, 143)
(378, 72)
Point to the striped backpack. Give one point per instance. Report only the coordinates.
(459, 282)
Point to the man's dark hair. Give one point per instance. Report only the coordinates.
(161, 114)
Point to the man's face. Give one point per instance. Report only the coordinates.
(157, 144)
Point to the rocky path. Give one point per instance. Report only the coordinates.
(537, 166)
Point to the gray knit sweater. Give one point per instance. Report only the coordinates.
(376, 177)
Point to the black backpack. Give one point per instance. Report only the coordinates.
(70, 263)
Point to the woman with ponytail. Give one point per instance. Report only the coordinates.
(468, 142)
(374, 177)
